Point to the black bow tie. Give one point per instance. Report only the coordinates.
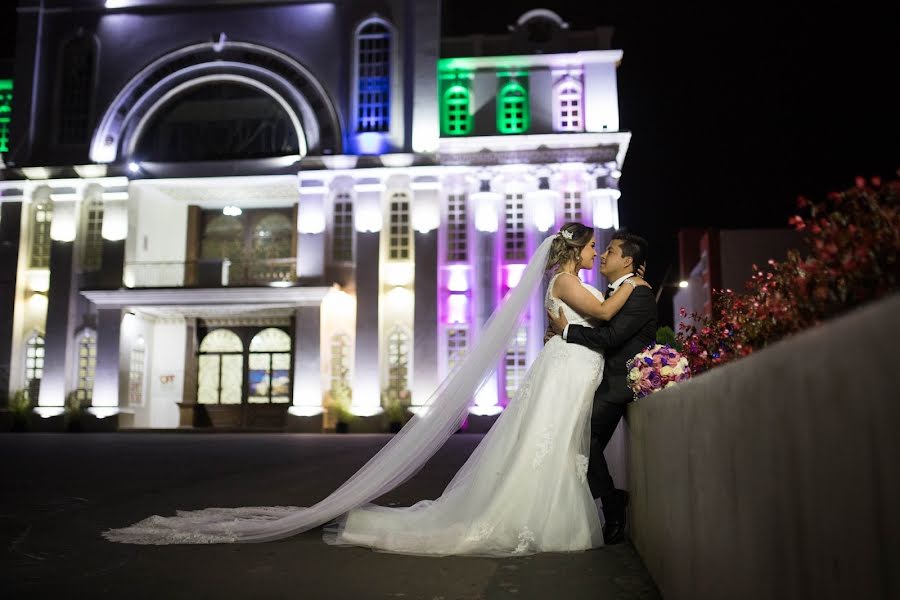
(610, 288)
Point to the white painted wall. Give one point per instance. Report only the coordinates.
(166, 372)
(157, 232)
(601, 97)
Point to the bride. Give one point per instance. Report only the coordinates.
(523, 490)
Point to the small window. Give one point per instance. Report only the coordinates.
(457, 344)
(34, 365)
(512, 109)
(569, 114)
(514, 228)
(41, 215)
(515, 363)
(457, 116)
(373, 77)
(136, 368)
(92, 234)
(572, 210)
(87, 367)
(457, 228)
(399, 233)
(342, 229)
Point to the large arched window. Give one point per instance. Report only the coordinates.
(512, 109)
(137, 365)
(568, 106)
(77, 69)
(398, 362)
(92, 233)
(86, 367)
(219, 121)
(41, 215)
(342, 228)
(456, 118)
(272, 237)
(269, 376)
(223, 237)
(399, 233)
(34, 365)
(373, 76)
(220, 368)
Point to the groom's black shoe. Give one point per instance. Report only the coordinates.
(614, 511)
(614, 532)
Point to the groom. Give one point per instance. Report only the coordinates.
(626, 334)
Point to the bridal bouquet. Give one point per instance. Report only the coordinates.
(656, 367)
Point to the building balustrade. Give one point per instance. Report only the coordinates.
(210, 273)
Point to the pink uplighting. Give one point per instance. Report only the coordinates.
(512, 275)
(458, 280)
(457, 308)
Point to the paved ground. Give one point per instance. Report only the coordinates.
(58, 491)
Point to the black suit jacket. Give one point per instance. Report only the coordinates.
(631, 330)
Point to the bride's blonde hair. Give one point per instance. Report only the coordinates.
(568, 244)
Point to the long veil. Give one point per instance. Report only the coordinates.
(400, 459)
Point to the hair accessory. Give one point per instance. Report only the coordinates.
(566, 234)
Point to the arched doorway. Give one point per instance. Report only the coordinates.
(269, 376)
(244, 378)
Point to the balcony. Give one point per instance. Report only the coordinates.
(211, 273)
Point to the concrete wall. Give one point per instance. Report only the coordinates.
(776, 476)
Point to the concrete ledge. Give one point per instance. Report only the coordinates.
(777, 476)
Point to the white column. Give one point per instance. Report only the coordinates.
(311, 229)
(307, 399)
(106, 374)
(366, 374)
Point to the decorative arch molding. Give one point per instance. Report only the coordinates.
(288, 82)
(541, 13)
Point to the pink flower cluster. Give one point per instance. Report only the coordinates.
(852, 257)
(656, 367)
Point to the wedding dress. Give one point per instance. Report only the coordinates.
(522, 491)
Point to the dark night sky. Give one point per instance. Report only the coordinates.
(733, 112)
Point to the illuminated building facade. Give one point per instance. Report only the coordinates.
(214, 215)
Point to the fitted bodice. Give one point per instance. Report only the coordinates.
(552, 303)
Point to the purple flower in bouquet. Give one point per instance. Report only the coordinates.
(656, 367)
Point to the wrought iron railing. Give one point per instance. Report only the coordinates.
(210, 273)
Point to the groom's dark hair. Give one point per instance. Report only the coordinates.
(633, 246)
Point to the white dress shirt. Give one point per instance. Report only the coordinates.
(614, 285)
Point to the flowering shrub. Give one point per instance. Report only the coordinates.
(658, 366)
(852, 240)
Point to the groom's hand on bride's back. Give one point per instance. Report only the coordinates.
(558, 321)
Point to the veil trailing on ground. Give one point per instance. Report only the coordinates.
(397, 461)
